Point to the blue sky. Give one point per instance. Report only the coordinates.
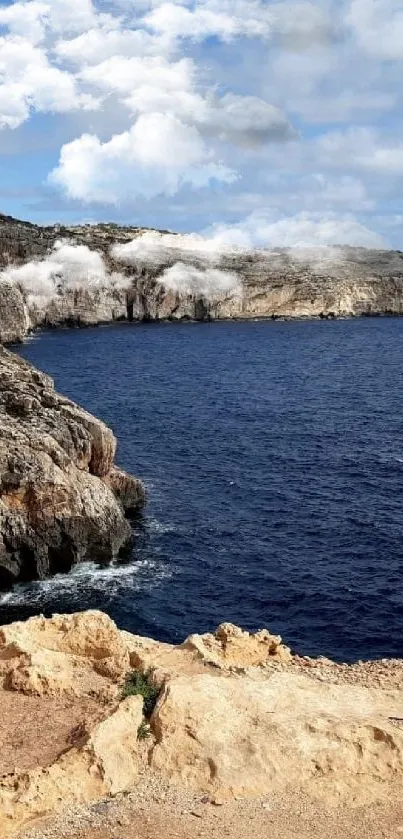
(273, 122)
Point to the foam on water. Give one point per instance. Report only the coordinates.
(85, 581)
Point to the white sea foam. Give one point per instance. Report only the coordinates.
(87, 579)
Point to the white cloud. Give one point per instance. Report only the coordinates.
(261, 229)
(157, 155)
(203, 22)
(26, 20)
(125, 75)
(378, 27)
(247, 120)
(183, 88)
(106, 41)
(28, 82)
(310, 230)
(362, 148)
(72, 16)
(156, 85)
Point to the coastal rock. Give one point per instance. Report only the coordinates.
(105, 763)
(253, 735)
(63, 655)
(56, 507)
(230, 646)
(14, 318)
(130, 491)
(268, 728)
(322, 283)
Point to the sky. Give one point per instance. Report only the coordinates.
(268, 122)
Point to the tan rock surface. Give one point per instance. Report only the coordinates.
(105, 764)
(246, 736)
(238, 717)
(76, 654)
(230, 646)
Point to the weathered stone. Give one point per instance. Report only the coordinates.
(252, 735)
(57, 500)
(231, 646)
(61, 655)
(106, 764)
(334, 282)
(261, 732)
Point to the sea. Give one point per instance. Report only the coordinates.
(272, 453)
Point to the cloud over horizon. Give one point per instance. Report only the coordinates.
(191, 114)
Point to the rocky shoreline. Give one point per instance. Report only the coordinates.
(62, 499)
(330, 283)
(92, 714)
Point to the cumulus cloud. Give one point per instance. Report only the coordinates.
(32, 19)
(362, 148)
(299, 24)
(246, 120)
(28, 82)
(207, 20)
(68, 267)
(377, 27)
(153, 84)
(157, 155)
(164, 96)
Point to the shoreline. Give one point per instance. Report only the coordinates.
(77, 327)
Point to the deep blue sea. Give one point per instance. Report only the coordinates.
(273, 458)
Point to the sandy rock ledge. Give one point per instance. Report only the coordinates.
(238, 716)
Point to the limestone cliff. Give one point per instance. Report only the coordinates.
(234, 716)
(282, 283)
(61, 498)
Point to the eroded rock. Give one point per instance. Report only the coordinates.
(230, 646)
(105, 764)
(248, 736)
(76, 654)
(61, 499)
(256, 729)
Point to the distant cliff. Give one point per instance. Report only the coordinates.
(274, 284)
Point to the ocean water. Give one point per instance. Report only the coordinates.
(273, 458)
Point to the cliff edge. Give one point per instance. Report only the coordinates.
(62, 500)
(159, 279)
(91, 713)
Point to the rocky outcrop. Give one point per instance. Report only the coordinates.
(237, 716)
(337, 282)
(15, 322)
(61, 499)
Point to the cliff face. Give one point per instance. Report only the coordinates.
(345, 282)
(61, 498)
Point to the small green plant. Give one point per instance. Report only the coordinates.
(138, 684)
(143, 731)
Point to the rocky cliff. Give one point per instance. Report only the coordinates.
(62, 500)
(338, 282)
(89, 712)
